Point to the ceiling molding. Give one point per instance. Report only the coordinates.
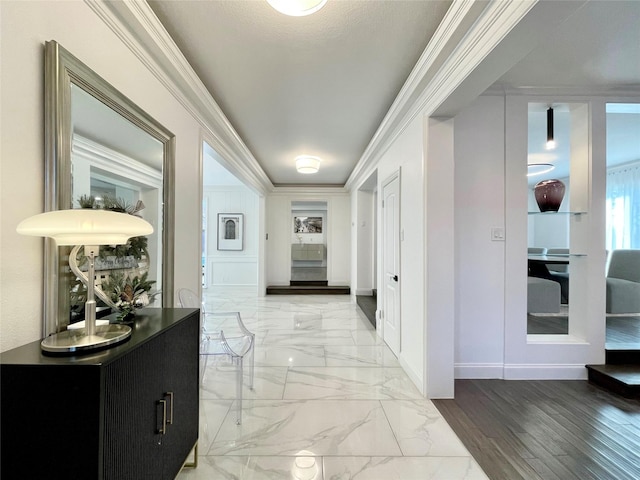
(568, 92)
(140, 30)
(306, 190)
(425, 88)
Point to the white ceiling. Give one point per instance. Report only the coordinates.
(317, 85)
(322, 84)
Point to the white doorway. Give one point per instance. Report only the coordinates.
(391, 263)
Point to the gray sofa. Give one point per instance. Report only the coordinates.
(543, 296)
(623, 282)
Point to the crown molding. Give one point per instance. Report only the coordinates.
(609, 91)
(306, 190)
(135, 24)
(469, 31)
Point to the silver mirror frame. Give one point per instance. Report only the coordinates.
(62, 70)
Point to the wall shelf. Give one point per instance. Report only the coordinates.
(557, 213)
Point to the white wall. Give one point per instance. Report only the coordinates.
(232, 267)
(491, 191)
(24, 27)
(480, 263)
(279, 225)
(364, 229)
(406, 154)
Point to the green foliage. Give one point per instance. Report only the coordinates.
(127, 293)
(88, 201)
(135, 246)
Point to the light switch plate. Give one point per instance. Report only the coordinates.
(497, 234)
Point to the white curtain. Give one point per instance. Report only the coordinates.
(623, 207)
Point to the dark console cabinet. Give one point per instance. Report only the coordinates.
(128, 412)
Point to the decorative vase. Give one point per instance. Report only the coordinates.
(549, 194)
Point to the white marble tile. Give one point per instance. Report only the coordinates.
(402, 468)
(421, 430)
(360, 356)
(367, 337)
(321, 427)
(372, 383)
(212, 414)
(328, 390)
(282, 356)
(298, 467)
(302, 338)
(219, 382)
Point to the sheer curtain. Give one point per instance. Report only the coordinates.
(623, 207)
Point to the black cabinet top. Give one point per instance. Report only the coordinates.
(148, 323)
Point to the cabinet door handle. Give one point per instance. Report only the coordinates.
(170, 419)
(163, 428)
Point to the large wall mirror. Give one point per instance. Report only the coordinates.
(103, 150)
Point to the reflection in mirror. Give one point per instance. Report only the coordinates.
(104, 152)
(309, 242)
(548, 232)
(622, 224)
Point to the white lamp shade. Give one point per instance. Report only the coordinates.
(85, 226)
(307, 164)
(297, 8)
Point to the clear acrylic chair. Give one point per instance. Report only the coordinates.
(237, 344)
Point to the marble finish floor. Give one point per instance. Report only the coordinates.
(330, 401)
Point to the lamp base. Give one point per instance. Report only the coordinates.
(77, 341)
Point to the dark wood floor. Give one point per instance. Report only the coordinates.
(547, 429)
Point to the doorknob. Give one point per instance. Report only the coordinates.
(395, 278)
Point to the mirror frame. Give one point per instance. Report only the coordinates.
(62, 70)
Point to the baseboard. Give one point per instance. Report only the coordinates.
(516, 371)
(368, 292)
(545, 372)
(478, 370)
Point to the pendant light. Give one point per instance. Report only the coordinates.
(551, 143)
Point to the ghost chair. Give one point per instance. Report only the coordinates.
(233, 346)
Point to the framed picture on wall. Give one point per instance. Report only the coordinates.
(307, 224)
(230, 231)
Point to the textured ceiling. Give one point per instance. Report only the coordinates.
(317, 85)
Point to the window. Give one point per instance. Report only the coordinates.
(623, 207)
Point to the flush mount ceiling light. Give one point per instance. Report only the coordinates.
(297, 8)
(307, 164)
(551, 143)
(538, 168)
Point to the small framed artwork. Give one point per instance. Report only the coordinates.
(230, 231)
(307, 224)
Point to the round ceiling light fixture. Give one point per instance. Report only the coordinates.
(534, 169)
(297, 8)
(307, 164)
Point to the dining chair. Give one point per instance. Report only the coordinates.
(560, 273)
(234, 346)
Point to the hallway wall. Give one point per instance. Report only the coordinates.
(24, 27)
(279, 227)
(232, 267)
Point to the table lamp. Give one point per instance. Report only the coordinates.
(90, 228)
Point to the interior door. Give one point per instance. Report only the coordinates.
(391, 263)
